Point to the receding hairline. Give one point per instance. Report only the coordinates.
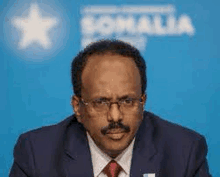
(98, 67)
(102, 47)
(109, 53)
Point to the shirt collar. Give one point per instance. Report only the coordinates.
(100, 159)
(124, 159)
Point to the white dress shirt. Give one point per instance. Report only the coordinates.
(100, 159)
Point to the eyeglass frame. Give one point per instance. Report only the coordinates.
(109, 103)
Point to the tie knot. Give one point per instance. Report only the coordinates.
(112, 169)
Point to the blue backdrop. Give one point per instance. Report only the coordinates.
(179, 40)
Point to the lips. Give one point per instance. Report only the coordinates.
(115, 131)
(116, 134)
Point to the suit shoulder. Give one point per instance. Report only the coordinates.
(48, 131)
(171, 130)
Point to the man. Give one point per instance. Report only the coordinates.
(110, 134)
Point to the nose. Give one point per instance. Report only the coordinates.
(114, 113)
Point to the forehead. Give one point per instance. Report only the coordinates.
(110, 74)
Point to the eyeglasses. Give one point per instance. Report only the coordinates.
(103, 105)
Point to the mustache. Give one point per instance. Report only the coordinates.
(115, 125)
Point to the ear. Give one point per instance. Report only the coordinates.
(75, 102)
(144, 99)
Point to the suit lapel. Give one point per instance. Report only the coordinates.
(77, 158)
(146, 158)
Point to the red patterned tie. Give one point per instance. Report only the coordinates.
(112, 169)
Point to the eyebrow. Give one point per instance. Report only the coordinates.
(124, 97)
(118, 98)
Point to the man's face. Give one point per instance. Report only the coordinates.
(110, 78)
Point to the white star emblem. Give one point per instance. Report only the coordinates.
(34, 28)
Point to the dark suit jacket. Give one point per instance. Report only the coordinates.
(62, 150)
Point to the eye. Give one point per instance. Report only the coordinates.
(99, 103)
(127, 102)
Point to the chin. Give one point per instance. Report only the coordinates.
(115, 148)
(114, 152)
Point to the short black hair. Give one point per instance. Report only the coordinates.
(103, 47)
